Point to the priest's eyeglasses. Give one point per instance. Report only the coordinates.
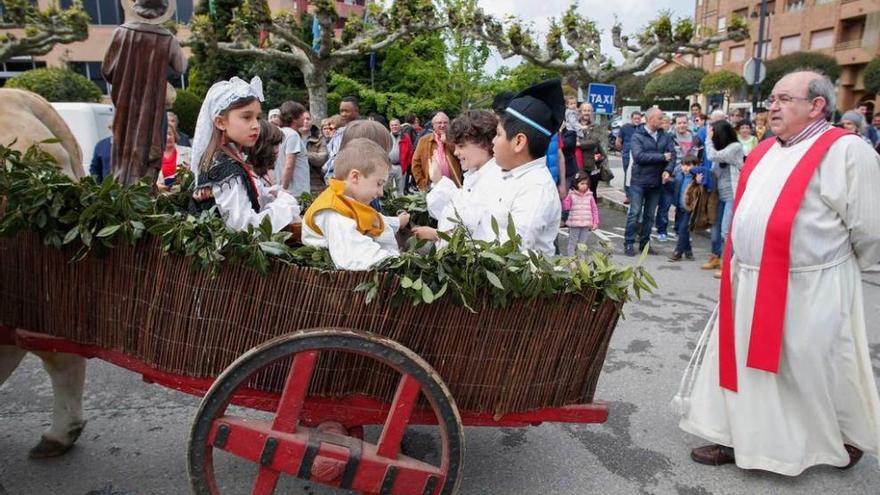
(783, 100)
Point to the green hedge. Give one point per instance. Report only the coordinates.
(187, 106)
(781, 66)
(872, 78)
(56, 84)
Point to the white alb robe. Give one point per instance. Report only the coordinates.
(824, 394)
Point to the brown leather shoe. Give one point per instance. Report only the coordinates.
(855, 455)
(713, 455)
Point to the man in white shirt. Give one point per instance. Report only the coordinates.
(292, 163)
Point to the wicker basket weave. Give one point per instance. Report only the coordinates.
(155, 308)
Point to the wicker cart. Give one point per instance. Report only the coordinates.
(303, 345)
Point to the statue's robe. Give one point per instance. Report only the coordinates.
(137, 65)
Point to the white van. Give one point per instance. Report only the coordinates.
(89, 122)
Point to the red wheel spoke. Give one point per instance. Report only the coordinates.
(295, 388)
(265, 482)
(398, 416)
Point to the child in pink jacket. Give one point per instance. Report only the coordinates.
(583, 214)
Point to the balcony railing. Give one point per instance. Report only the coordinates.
(847, 45)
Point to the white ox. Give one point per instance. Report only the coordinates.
(35, 120)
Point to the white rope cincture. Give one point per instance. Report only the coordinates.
(681, 403)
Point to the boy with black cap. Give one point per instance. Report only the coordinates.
(525, 190)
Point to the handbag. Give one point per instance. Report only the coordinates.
(605, 173)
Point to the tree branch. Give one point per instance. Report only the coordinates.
(289, 36)
(295, 57)
(659, 41)
(42, 29)
(364, 43)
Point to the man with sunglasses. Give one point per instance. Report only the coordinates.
(786, 380)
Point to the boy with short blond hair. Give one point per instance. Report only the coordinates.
(341, 219)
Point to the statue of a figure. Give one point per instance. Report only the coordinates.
(137, 65)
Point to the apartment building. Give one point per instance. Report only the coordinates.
(848, 30)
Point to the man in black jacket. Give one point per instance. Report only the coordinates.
(653, 152)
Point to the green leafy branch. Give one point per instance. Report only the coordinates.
(95, 217)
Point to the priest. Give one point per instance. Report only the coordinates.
(786, 381)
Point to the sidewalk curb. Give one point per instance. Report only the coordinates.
(611, 197)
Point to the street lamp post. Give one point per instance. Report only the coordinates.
(759, 56)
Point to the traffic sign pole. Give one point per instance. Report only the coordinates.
(759, 57)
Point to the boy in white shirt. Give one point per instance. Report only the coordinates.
(341, 219)
(524, 190)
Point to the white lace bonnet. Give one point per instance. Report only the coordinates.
(219, 98)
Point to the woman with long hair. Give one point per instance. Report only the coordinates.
(726, 153)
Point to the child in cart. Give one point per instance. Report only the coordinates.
(583, 213)
(341, 219)
(472, 133)
(228, 123)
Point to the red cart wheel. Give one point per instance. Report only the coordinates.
(326, 455)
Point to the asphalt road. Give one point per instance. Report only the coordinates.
(136, 438)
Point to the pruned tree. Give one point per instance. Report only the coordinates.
(27, 30)
(256, 32)
(679, 83)
(573, 46)
(722, 82)
(781, 66)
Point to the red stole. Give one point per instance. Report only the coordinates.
(765, 340)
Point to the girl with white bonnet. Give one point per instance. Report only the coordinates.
(229, 125)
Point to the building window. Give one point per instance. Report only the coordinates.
(794, 5)
(771, 8)
(340, 22)
(101, 12)
(16, 66)
(822, 39)
(737, 53)
(184, 11)
(719, 57)
(722, 24)
(179, 81)
(92, 71)
(741, 13)
(109, 12)
(789, 44)
(768, 49)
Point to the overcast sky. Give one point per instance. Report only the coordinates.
(632, 14)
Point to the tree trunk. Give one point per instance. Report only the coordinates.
(316, 83)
